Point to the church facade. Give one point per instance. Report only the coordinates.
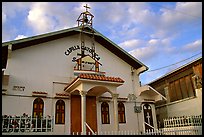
(80, 78)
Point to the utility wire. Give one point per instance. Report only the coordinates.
(174, 63)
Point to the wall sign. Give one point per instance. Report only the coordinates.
(77, 47)
(86, 61)
(18, 88)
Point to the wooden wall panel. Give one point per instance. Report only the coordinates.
(198, 70)
(172, 95)
(189, 86)
(183, 88)
(178, 90)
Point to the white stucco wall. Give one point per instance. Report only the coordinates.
(38, 66)
(186, 107)
(45, 67)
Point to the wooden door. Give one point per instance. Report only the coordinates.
(91, 117)
(75, 113)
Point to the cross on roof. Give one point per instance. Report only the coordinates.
(87, 7)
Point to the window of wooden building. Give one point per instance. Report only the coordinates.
(181, 88)
(105, 113)
(60, 112)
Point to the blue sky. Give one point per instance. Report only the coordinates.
(156, 33)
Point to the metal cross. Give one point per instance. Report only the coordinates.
(87, 7)
(148, 118)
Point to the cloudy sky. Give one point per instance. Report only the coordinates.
(158, 34)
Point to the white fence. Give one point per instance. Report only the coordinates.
(193, 130)
(26, 123)
(190, 130)
(183, 121)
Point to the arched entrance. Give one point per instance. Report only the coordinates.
(91, 109)
(87, 85)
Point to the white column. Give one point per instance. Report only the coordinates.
(83, 111)
(115, 108)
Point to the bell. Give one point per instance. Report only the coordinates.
(86, 19)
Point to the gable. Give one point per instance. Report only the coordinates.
(104, 41)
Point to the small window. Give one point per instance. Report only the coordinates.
(38, 106)
(121, 113)
(60, 112)
(105, 113)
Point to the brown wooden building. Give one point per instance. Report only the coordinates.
(183, 90)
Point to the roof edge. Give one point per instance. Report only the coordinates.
(38, 36)
(31, 38)
(167, 74)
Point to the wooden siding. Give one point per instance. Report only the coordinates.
(180, 83)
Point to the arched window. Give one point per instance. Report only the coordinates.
(121, 113)
(38, 106)
(148, 116)
(105, 113)
(60, 112)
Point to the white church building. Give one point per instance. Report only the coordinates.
(79, 79)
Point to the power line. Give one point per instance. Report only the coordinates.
(174, 63)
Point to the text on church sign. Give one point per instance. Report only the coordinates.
(77, 47)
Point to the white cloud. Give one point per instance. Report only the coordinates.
(153, 41)
(144, 53)
(12, 9)
(39, 19)
(148, 50)
(167, 22)
(44, 17)
(3, 17)
(20, 37)
(174, 21)
(129, 44)
(195, 9)
(194, 46)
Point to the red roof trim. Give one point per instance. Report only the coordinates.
(70, 83)
(62, 94)
(96, 77)
(100, 77)
(39, 92)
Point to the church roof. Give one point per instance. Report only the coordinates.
(104, 41)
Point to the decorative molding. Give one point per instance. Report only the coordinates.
(39, 93)
(83, 93)
(62, 95)
(115, 96)
(100, 99)
(4, 91)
